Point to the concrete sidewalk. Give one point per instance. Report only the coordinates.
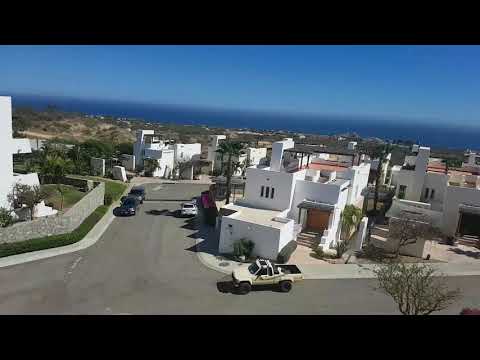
(90, 239)
(207, 252)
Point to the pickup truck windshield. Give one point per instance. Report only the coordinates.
(253, 268)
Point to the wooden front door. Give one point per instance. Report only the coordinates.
(317, 219)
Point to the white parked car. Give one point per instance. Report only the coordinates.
(189, 209)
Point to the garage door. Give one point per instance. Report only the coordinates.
(469, 224)
(317, 219)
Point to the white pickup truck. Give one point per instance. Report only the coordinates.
(262, 272)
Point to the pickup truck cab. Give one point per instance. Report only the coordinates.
(263, 272)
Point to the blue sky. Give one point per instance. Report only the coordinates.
(429, 83)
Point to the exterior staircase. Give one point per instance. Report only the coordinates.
(469, 241)
(309, 239)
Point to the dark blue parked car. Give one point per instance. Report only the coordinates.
(129, 206)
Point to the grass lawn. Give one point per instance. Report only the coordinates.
(55, 240)
(71, 196)
(113, 187)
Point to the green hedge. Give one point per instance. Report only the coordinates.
(48, 242)
(114, 189)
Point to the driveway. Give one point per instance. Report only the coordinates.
(147, 264)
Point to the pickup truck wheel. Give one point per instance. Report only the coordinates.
(244, 288)
(285, 286)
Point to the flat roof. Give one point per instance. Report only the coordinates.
(256, 216)
(317, 149)
(329, 167)
(311, 204)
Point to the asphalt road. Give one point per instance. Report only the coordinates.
(147, 264)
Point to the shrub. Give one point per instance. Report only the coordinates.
(450, 240)
(322, 254)
(287, 251)
(371, 252)
(341, 248)
(108, 199)
(319, 252)
(6, 218)
(248, 246)
(416, 288)
(243, 247)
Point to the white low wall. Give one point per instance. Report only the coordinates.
(128, 162)
(268, 241)
(434, 217)
(119, 173)
(361, 233)
(415, 250)
(98, 166)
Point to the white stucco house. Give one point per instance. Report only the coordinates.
(385, 176)
(213, 143)
(450, 198)
(168, 155)
(251, 156)
(9, 147)
(305, 187)
(256, 156)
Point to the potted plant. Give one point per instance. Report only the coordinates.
(242, 249)
(451, 240)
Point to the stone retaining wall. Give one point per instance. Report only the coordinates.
(58, 224)
(84, 184)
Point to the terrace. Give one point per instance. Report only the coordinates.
(463, 179)
(317, 157)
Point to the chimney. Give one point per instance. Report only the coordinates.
(277, 153)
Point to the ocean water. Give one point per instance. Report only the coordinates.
(453, 136)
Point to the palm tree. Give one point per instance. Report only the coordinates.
(150, 165)
(232, 150)
(351, 217)
(78, 158)
(182, 166)
(222, 154)
(55, 167)
(379, 152)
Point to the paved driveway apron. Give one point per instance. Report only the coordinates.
(146, 264)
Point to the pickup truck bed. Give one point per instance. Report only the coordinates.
(289, 269)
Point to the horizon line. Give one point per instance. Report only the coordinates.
(271, 112)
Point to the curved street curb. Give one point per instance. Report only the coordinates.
(206, 263)
(86, 242)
